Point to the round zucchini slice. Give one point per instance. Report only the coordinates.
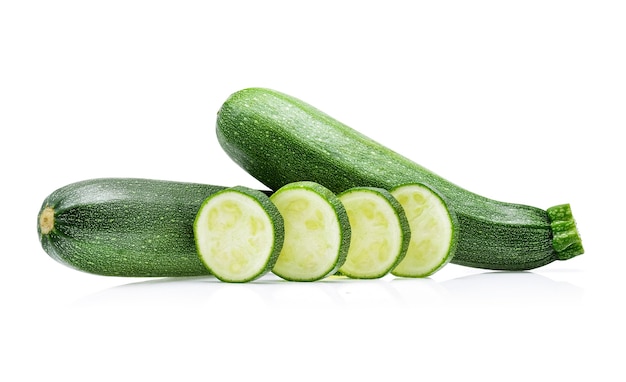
(433, 231)
(380, 232)
(239, 233)
(317, 232)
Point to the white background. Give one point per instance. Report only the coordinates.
(521, 101)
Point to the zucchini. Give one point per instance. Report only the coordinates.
(433, 228)
(280, 139)
(124, 227)
(317, 232)
(380, 232)
(239, 234)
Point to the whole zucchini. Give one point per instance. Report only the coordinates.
(124, 227)
(280, 139)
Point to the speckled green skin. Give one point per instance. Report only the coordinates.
(126, 227)
(279, 139)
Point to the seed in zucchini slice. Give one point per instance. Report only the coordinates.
(380, 232)
(317, 232)
(433, 231)
(238, 234)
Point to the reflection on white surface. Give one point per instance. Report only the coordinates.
(512, 288)
(492, 288)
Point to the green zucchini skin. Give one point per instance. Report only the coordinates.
(280, 139)
(124, 227)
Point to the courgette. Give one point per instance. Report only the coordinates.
(239, 233)
(317, 232)
(124, 227)
(280, 139)
(380, 232)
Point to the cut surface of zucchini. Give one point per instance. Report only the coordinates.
(433, 231)
(380, 232)
(317, 232)
(239, 234)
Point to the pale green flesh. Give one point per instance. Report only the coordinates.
(376, 241)
(431, 232)
(312, 235)
(234, 236)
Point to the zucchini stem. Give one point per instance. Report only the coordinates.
(566, 240)
(46, 220)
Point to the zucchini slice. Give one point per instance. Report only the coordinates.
(317, 232)
(433, 231)
(238, 234)
(380, 232)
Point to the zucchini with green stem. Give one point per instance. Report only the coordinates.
(280, 139)
(239, 233)
(124, 227)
